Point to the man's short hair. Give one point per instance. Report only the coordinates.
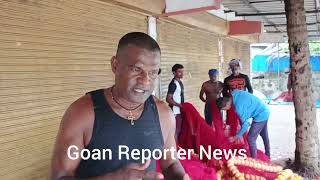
(176, 67)
(236, 62)
(213, 72)
(138, 39)
(222, 102)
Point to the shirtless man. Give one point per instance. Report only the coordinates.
(212, 89)
(123, 114)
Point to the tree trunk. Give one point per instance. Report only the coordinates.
(307, 137)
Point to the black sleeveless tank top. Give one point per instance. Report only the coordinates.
(111, 131)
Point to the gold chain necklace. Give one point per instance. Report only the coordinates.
(130, 117)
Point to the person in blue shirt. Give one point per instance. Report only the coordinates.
(248, 106)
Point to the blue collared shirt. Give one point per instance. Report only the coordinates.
(249, 106)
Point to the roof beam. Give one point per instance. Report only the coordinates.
(272, 13)
(286, 31)
(317, 7)
(314, 36)
(271, 25)
(254, 8)
(256, 2)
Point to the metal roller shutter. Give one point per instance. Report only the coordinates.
(233, 49)
(197, 50)
(51, 52)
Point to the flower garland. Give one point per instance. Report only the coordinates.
(253, 164)
(288, 174)
(256, 164)
(220, 174)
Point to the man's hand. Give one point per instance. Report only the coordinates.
(186, 177)
(233, 139)
(135, 171)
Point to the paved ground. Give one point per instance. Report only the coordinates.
(282, 132)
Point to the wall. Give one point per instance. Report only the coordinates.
(195, 49)
(51, 53)
(234, 49)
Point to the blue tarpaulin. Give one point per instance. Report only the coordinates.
(267, 63)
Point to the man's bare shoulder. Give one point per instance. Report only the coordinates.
(79, 114)
(166, 117)
(82, 102)
(162, 106)
(78, 119)
(74, 130)
(220, 84)
(165, 113)
(81, 106)
(206, 83)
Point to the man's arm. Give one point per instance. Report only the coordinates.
(171, 168)
(248, 85)
(244, 127)
(71, 132)
(171, 102)
(220, 88)
(225, 88)
(202, 93)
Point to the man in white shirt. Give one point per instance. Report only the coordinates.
(175, 95)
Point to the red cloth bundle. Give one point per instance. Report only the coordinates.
(195, 133)
(252, 171)
(284, 97)
(196, 169)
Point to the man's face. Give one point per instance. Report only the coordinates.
(235, 68)
(228, 105)
(179, 73)
(213, 78)
(136, 72)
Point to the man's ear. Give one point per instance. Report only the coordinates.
(114, 64)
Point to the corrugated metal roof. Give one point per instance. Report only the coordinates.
(272, 14)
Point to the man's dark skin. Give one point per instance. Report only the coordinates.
(178, 75)
(235, 69)
(136, 74)
(212, 89)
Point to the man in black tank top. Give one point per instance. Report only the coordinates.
(125, 115)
